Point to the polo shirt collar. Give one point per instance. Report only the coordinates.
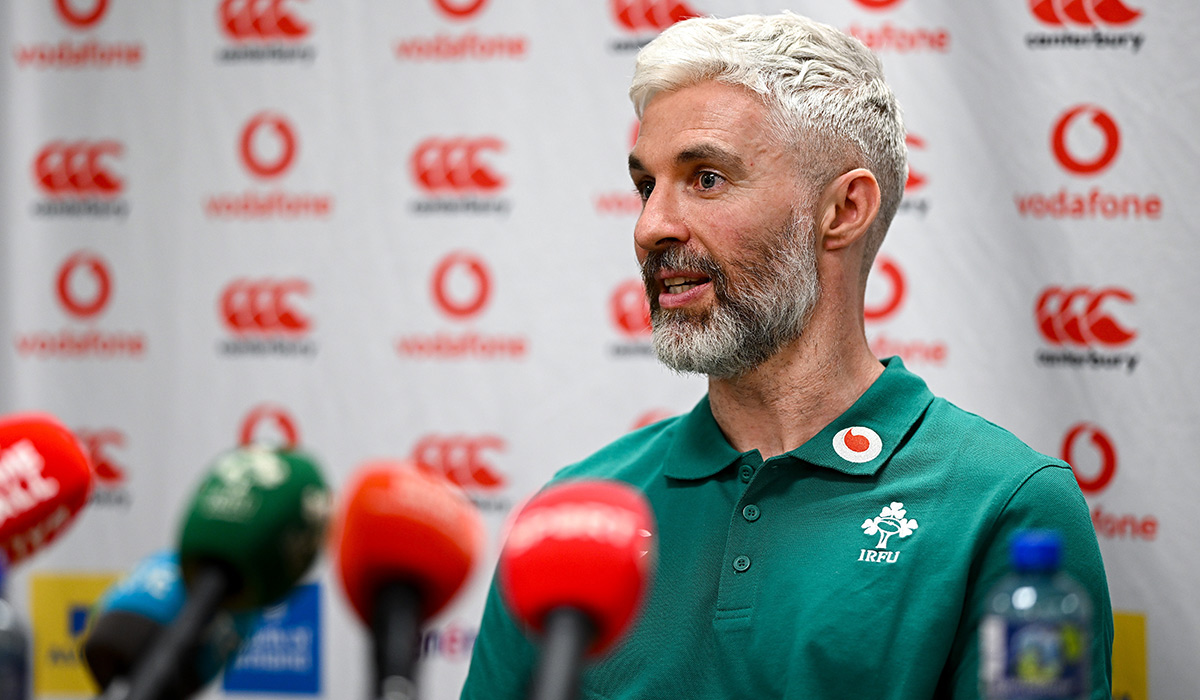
(860, 441)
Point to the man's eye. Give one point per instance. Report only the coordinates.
(644, 188)
(709, 180)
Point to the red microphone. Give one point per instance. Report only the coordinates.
(45, 479)
(575, 568)
(406, 543)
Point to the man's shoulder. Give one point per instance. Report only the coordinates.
(967, 437)
(633, 457)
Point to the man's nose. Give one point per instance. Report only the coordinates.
(661, 224)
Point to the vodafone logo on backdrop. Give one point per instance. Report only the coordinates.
(271, 159)
(468, 46)
(1085, 141)
(1092, 454)
(1095, 439)
(889, 37)
(1085, 323)
(89, 298)
(79, 178)
(887, 290)
(461, 288)
(1087, 163)
(83, 284)
(81, 14)
(461, 285)
(269, 424)
(883, 305)
(650, 417)
(459, 9)
(1099, 20)
(266, 316)
(267, 148)
(625, 201)
(263, 30)
(110, 475)
(630, 309)
(79, 17)
(458, 174)
(462, 459)
(629, 314)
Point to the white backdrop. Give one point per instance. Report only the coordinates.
(404, 229)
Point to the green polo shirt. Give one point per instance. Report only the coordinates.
(851, 568)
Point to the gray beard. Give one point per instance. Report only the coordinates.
(766, 305)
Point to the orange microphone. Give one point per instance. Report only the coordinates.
(406, 543)
(45, 480)
(575, 568)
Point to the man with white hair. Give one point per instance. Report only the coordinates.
(827, 527)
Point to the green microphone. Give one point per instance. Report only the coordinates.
(254, 527)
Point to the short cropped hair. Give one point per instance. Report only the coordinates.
(824, 92)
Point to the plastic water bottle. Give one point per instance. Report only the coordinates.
(14, 648)
(1035, 635)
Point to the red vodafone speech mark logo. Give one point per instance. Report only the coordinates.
(81, 19)
(1088, 13)
(461, 285)
(75, 168)
(1105, 126)
(889, 273)
(915, 179)
(264, 306)
(96, 443)
(280, 129)
(456, 165)
(650, 15)
(459, 9)
(1103, 447)
(1078, 316)
(650, 417)
(84, 303)
(460, 459)
(631, 309)
(277, 419)
(259, 19)
(877, 4)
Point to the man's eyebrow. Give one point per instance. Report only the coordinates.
(710, 152)
(700, 152)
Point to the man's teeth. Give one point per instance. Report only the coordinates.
(678, 285)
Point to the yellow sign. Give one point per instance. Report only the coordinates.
(1129, 656)
(59, 606)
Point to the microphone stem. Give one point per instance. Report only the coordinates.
(396, 626)
(568, 633)
(158, 670)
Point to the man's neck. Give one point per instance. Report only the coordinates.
(792, 396)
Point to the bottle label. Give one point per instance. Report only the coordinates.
(1023, 660)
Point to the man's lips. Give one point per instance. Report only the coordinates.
(681, 288)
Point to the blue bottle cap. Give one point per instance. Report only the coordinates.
(1036, 550)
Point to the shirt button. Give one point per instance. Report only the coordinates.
(750, 512)
(741, 563)
(746, 473)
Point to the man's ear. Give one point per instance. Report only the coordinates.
(850, 204)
